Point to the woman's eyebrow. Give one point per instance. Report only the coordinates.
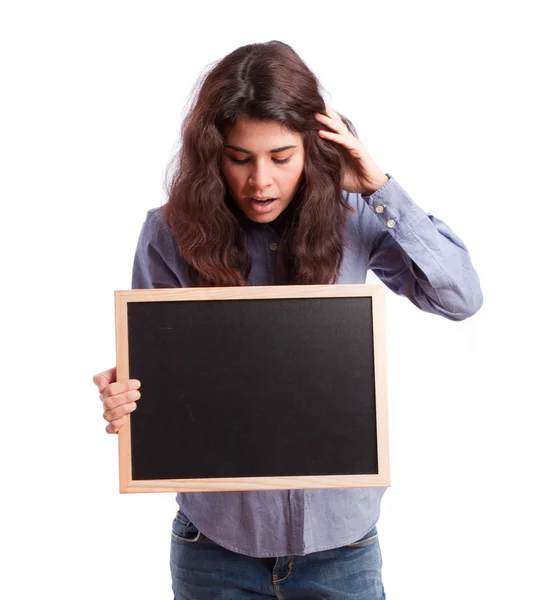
(238, 149)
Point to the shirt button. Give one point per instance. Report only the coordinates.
(379, 209)
(274, 246)
(391, 223)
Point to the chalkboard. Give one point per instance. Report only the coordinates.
(273, 387)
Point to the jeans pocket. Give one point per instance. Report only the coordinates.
(370, 538)
(183, 530)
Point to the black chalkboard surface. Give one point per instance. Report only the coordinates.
(253, 388)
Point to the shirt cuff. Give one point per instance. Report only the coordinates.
(398, 213)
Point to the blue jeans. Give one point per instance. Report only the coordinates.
(203, 570)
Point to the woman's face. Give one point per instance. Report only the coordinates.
(262, 160)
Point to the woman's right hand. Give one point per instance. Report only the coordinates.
(119, 398)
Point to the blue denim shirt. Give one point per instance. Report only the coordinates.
(417, 256)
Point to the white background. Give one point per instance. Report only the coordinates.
(444, 97)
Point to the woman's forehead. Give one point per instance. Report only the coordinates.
(257, 135)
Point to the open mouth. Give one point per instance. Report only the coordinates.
(262, 202)
(262, 206)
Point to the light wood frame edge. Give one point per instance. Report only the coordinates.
(121, 300)
(380, 381)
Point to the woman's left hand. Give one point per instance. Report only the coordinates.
(362, 175)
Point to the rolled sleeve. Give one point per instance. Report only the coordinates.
(418, 256)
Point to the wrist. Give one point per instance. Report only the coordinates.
(375, 184)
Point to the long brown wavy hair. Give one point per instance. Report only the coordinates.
(261, 81)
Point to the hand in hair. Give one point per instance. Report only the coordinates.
(362, 175)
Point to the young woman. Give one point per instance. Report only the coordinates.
(272, 186)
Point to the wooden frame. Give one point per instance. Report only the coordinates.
(375, 291)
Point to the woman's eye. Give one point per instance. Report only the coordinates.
(246, 160)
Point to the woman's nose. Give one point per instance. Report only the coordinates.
(260, 177)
